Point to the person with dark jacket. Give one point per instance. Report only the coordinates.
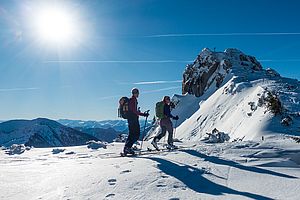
(166, 125)
(133, 122)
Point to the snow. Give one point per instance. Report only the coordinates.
(230, 170)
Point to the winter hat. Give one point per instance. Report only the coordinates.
(135, 91)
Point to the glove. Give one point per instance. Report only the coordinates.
(176, 118)
(146, 114)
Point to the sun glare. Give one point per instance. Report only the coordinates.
(55, 26)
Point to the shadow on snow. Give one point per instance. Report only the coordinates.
(219, 161)
(193, 177)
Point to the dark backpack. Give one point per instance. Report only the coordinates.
(123, 110)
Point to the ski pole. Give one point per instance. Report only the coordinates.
(144, 129)
(175, 129)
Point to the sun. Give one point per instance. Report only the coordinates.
(56, 26)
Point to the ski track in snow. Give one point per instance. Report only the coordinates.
(240, 170)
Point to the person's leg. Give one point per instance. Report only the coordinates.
(158, 137)
(137, 131)
(131, 136)
(169, 127)
(162, 133)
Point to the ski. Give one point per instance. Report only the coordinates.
(147, 151)
(127, 155)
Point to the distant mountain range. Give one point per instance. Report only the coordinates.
(41, 132)
(106, 135)
(118, 125)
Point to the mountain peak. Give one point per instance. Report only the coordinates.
(237, 96)
(210, 69)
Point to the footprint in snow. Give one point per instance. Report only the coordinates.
(125, 171)
(161, 185)
(174, 199)
(109, 195)
(112, 181)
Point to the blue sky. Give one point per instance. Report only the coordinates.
(125, 42)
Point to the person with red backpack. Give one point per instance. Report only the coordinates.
(163, 113)
(132, 117)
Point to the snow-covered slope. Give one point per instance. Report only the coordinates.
(40, 133)
(248, 102)
(239, 170)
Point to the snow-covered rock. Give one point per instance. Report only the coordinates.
(17, 149)
(210, 68)
(272, 72)
(57, 151)
(216, 137)
(96, 145)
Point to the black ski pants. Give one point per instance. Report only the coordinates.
(134, 131)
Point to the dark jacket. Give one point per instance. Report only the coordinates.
(167, 111)
(133, 107)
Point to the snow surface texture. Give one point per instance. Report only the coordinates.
(249, 103)
(267, 169)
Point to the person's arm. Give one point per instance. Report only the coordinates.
(132, 107)
(167, 111)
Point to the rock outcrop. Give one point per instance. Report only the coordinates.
(210, 68)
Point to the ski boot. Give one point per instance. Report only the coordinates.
(127, 152)
(154, 143)
(171, 146)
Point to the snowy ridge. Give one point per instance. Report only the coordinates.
(40, 133)
(241, 106)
